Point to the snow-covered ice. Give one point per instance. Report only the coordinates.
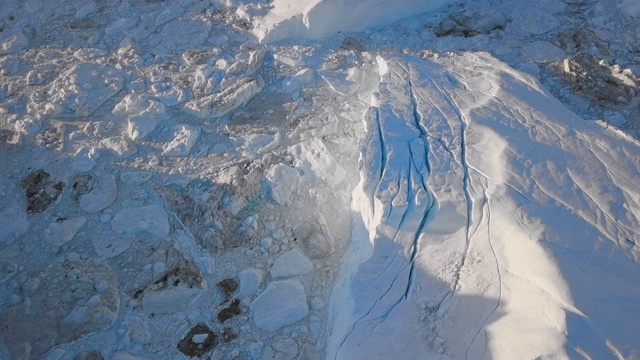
(282, 303)
(152, 219)
(291, 263)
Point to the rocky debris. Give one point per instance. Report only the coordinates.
(195, 215)
(291, 263)
(183, 140)
(86, 299)
(245, 232)
(230, 98)
(148, 263)
(198, 341)
(102, 195)
(542, 51)
(471, 23)
(575, 42)
(229, 334)
(82, 184)
(41, 191)
(89, 355)
(217, 214)
(281, 304)
(600, 81)
(283, 182)
(9, 139)
(62, 230)
(172, 292)
(142, 114)
(81, 90)
(250, 281)
(152, 219)
(228, 287)
(314, 235)
(351, 44)
(232, 310)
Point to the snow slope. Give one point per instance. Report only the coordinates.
(316, 19)
(485, 206)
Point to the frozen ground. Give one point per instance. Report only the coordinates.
(332, 180)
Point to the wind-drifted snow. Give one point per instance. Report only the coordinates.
(316, 19)
(470, 177)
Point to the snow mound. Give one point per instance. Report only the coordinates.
(316, 19)
(481, 208)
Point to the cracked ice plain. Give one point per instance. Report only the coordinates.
(485, 207)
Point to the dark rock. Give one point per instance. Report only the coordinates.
(228, 287)
(229, 334)
(40, 190)
(600, 81)
(82, 184)
(9, 140)
(351, 44)
(230, 311)
(188, 347)
(471, 23)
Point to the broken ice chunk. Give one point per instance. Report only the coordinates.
(13, 221)
(283, 182)
(168, 93)
(168, 301)
(102, 195)
(13, 43)
(107, 247)
(120, 25)
(82, 89)
(538, 22)
(315, 236)
(282, 303)
(291, 263)
(302, 78)
(118, 146)
(250, 280)
(230, 98)
(62, 230)
(184, 139)
(142, 114)
(542, 51)
(152, 219)
(320, 160)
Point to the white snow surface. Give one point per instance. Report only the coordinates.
(469, 174)
(325, 179)
(287, 19)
